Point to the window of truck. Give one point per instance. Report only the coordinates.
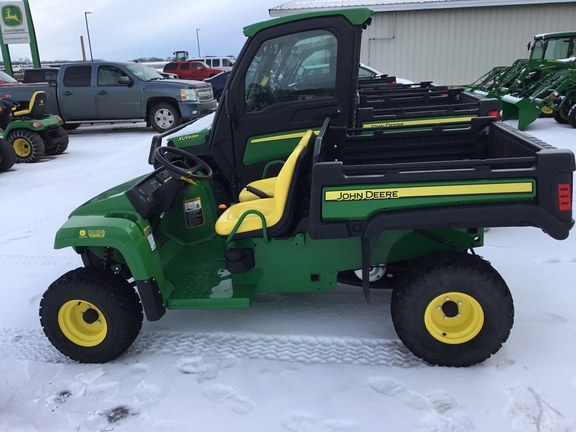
(77, 76)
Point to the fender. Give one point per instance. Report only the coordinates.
(134, 240)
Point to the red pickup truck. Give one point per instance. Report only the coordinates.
(192, 69)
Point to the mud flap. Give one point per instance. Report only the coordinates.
(366, 268)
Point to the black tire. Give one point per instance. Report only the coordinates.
(60, 133)
(28, 145)
(452, 309)
(71, 126)
(7, 155)
(561, 115)
(164, 116)
(572, 116)
(104, 300)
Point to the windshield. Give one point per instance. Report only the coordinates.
(6, 78)
(144, 72)
(553, 49)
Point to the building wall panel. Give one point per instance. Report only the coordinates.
(456, 46)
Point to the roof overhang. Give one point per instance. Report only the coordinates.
(299, 6)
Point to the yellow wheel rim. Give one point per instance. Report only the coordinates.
(454, 318)
(21, 147)
(82, 323)
(547, 110)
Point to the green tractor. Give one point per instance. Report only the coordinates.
(31, 132)
(541, 85)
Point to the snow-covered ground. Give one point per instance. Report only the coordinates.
(291, 362)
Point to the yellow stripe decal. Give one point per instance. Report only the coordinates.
(427, 191)
(418, 122)
(281, 137)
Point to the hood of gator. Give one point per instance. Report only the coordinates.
(109, 203)
(195, 134)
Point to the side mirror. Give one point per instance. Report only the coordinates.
(125, 81)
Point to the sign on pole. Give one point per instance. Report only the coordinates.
(14, 23)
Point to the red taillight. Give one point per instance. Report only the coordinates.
(36, 124)
(494, 114)
(58, 119)
(564, 197)
(394, 82)
(444, 95)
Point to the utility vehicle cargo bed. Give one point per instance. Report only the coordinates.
(488, 174)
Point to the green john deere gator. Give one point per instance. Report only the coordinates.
(221, 220)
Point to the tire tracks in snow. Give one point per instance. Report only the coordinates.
(30, 344)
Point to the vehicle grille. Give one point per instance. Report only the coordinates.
(205, 94)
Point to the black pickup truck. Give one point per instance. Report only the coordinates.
(111, 92)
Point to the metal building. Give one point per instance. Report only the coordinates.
(451, 42)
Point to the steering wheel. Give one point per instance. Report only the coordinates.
(11, 104)
(182, 169)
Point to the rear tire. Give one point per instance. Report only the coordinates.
(28, 145)
(61, 147)
(71, 126)
(572, 116)
(91, 315)
(7, 155)
(164, 116)
(452, 309)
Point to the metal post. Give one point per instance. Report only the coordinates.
(198, 40)
(88, 31)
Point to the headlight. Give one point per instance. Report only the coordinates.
(189, 95)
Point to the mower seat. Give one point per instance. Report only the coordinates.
(278, 210)
(36, 106)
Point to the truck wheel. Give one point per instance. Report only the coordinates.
(91, 315)
(27, 144)
(561, 115)
(452, 309)
(71, 126)
(164, 116)
(572, 116)
(61, 147)
(7, 155)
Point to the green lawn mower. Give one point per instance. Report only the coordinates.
(32, 133)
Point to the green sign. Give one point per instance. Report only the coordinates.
(13, 23)
(12, 16)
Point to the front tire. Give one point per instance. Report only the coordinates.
(164, 116)
(28, 145)
(452, 309)
(561, 115)
(91, 315)
(7, 155)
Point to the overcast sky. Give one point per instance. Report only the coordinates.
(123, 30)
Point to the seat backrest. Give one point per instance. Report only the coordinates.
(36, 107)
(282, 209)
(292, 177)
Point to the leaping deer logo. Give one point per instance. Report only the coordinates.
(12, 18)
